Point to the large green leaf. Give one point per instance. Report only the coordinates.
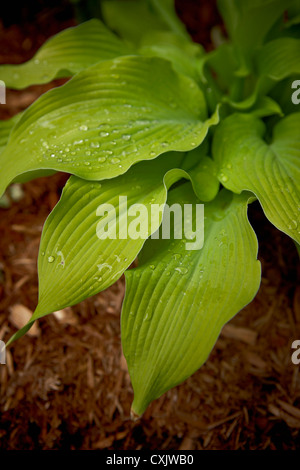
(177, 300)
(74, 261)
(131, 19)
(275, 61)
(165, 10)
(279, 59)
(106, 119)
(271, 171)
(65, 54)
(183, 54)
(248, 21)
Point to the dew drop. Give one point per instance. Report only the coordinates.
(224, 178)
(293, 225)
(115, 160)
(83, 128)
(126, 137)
(182, 270)
(104, 134)
(103, 266)
(51, 259)
(95, 145)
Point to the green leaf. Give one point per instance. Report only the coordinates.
(65, 54)
(5, 129)
(165, 9)
(131, 19)
(265, 106)
(106, 119)
(224, 64)
(279, 59)
(202, 172)
(184, 55)
(271, 171)
(248, 21)
(275, 61)
(74, 261)
(32, 175)
(177, 300)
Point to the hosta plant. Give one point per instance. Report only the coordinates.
(149, 115)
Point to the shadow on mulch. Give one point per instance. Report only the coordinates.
(68, 386)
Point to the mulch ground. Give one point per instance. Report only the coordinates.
(67, 387)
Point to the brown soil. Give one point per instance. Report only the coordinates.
(68, 386)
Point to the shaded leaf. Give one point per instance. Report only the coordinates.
(275, 61)
(165, 10)
(279, 59)
(249, 21)
(184, 55)
(131, 19)
(5, 129)
(271, 171)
